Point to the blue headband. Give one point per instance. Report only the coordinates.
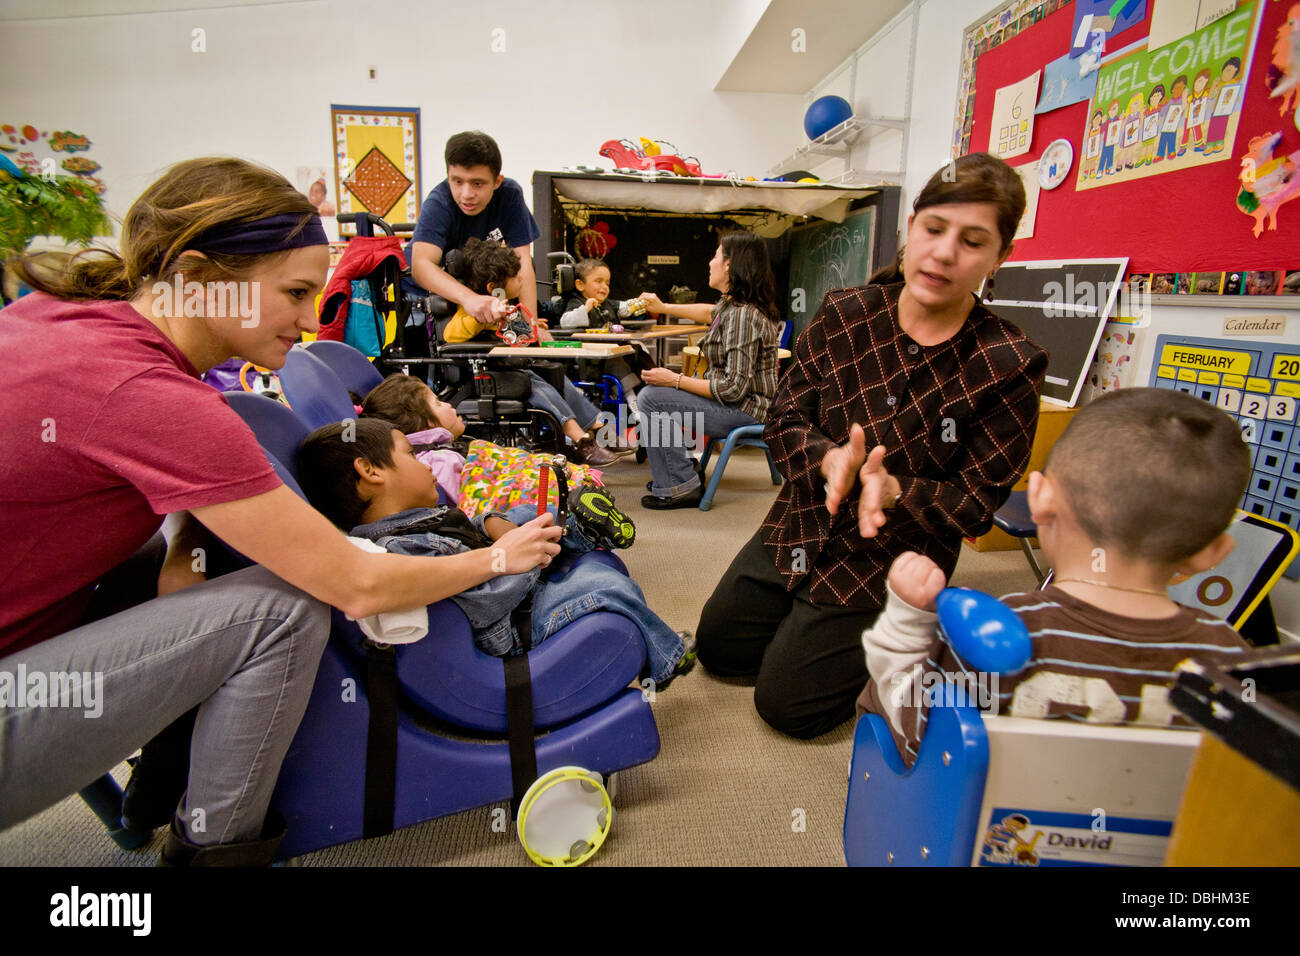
(260, 236)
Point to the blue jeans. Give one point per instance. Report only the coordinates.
(672, 424)
(572, 592)
(573, 405)
(243, 648)
(569, 594)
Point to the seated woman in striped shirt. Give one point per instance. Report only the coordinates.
(741, 350)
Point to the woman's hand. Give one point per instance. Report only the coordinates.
(654, 305)
(659, 376)
(878, 487)
(531, 545)
(850, 463)
(916, 579)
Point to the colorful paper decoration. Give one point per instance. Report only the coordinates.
(1028, 173)
(1062, 85)
(1284, 70)
(1013, 119)
(1110, 16)
(1054, 164)
(1267, 181)
(376, 161)
(1174, 19)
(1177, 107)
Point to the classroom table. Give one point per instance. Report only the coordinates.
(593, 350)
(657, 335)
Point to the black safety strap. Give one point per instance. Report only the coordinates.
(381, 739)
(519, 708)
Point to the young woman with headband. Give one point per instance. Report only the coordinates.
(108, 430)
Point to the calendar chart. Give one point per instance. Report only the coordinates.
(1258, 384)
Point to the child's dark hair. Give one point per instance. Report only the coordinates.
(1153, 473)
(487, 262)
(585, 267)
(326, 471)
(473, 148)
(402, 400)
(975, 177)
(749, 272)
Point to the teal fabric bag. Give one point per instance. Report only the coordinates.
(364, 330)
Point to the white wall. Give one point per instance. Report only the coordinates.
(573, 74)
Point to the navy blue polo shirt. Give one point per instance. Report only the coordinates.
(444, 224)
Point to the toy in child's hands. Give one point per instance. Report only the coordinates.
(983, 631)
(632, 308)
(517, 326)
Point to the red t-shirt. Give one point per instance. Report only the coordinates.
(105, 428)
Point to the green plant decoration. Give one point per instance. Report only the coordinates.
(31, 206)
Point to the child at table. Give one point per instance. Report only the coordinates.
(369, 484)
(1141, 486)
(479, 476)
(488, 265)
(590, 307)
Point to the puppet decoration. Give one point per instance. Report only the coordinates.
(1267, 182)
(1284, 71)
(595, 241)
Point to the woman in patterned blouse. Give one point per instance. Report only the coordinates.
(737, 388)
(906, 417)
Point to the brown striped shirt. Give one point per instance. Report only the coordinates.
(1088, 664)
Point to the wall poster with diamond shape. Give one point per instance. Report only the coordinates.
(377, 161)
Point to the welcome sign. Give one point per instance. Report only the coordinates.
(1157, 111)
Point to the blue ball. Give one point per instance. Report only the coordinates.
(825, 114)
(984, 632)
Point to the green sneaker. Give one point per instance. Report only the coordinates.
(596, 516)
(685, 664)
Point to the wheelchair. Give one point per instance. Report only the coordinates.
(490, 398)
(398, 735)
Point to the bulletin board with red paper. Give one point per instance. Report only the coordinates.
(1183, 216)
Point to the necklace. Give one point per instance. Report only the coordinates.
(1113, 587)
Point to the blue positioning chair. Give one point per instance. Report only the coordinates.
(353, 369)
(1010, 791)
(316, 395)
(394, 736)
(751, 435)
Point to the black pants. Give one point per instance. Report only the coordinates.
(808, 657)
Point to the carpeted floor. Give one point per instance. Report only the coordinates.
(725, 789)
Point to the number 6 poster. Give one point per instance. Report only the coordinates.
(1013, 117)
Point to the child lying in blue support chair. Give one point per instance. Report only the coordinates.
(1140, 487)
(364, 476)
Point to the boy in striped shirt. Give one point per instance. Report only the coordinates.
(1141, 486)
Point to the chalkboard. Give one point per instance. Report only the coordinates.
(1062, 306)
(825, 256)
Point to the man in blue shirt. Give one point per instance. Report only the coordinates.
(474, 201)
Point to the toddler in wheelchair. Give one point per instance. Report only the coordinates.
(487, 266)
(1139, 488)
(365, 478)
